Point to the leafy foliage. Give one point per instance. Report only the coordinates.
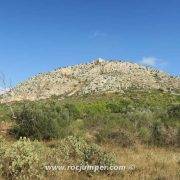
(80, 152)
(41, 121)
(22, 160)
(152, 117)
(25, 159)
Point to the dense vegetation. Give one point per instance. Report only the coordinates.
(27, 159)
(150, 118)
(82, 124)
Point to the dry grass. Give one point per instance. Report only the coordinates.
(150, 163)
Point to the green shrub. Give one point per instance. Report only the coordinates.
(141, 118)
(163, 136)
(92, 109)
(5, 113)
(164, 117)
(120, 137)
(119, 107)
(23, 160)
(78, 151)
(101, 136)
(134, 113)
(156, 133)
(174, 111)
(144, 134)
(114, 108)
(73, 110)
(77, 127)
(41, 121)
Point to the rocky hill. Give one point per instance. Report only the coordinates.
(95, 77)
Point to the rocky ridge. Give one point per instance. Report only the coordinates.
(95, 77)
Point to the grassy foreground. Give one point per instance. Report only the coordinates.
(151, 163)
(137, 128)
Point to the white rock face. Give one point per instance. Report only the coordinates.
(96, 77)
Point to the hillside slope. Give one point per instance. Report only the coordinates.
(96, 77)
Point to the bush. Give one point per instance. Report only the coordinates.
(140, 118)
(174, 111)
(73, 110)
(134, 113)
(78, 151)
(163, 136)
(156, 133)
(23, 160)
(77, 127)
(120, 137)
(119, 107)
(41, 121)
(169, 137)
(5, 113)
(144, 134)
(92, 109)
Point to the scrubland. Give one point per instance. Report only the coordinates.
(136, 128)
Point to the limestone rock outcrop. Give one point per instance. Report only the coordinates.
(95, 77)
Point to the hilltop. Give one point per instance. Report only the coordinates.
(137, 123)
(97, 77)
